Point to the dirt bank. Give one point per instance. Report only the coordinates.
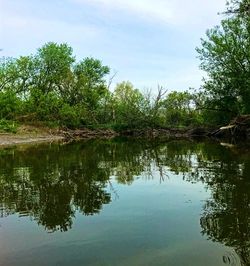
(29, 134)
(33, 134)
(238, 128)
(11, 139)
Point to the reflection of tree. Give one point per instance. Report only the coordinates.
(226, 217)
(51, 183)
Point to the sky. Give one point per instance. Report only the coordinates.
(148, 42)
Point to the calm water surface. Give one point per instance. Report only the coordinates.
(125, 202)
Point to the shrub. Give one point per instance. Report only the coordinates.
(8, 126)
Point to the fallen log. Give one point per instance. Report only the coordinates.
(239, 127)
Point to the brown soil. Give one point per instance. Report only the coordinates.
(34, 134)
(29, 134)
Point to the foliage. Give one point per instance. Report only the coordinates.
(225, 56)
(179, 109)
(69, 115)
(239, 7)
(128, 106)
(8, 126)
(10, 105)
(51, 87)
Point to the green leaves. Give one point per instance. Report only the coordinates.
(225, 56)
(238, 7)
(129, 106)
(52, 85)
(180, 109)
(54, 63)
(90, 84)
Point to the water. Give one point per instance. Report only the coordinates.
(125, 203)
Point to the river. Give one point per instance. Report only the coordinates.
(125, 202)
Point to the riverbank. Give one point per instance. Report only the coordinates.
(29, 134)
(10, 139)
(237, 129)
(32, 134)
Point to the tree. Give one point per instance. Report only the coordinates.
(180, 109)
(241, 8)
(54, 62)
(51, 86)
(225, 56)
(15, 80)
(128, 105)
(90, 84)
(8, 73)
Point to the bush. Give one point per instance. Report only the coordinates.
(69, 116)
(45, 106)
(10, 105)
(8, 126)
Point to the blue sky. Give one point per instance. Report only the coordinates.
(149, 42)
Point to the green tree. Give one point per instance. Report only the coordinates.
(8, 73)
(180, 109)
(16, 74)
(54, 62)
(239, 7)
(225, 56)
(128, 105)
(91, 85)
(89, 89)
(43, 79)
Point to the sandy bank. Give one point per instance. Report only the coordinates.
(12, 139)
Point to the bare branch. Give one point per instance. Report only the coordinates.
(111, 79)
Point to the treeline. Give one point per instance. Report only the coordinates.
(52, 87)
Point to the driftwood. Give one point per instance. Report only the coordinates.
(70, 135)
(239, 127)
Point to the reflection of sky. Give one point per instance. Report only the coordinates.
(148, 42)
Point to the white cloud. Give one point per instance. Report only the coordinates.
(50, 27)
(182, 78)
(147, 41)
(144, 8)
(34, 32)
(172, 12)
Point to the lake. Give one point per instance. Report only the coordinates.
(125, 202)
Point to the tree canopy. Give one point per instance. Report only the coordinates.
(53, 87)
(225, 56)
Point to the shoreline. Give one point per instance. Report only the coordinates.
(7, 140)
(35, 135)
(27, 134)
(49, 136)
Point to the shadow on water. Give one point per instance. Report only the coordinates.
(50, 183)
